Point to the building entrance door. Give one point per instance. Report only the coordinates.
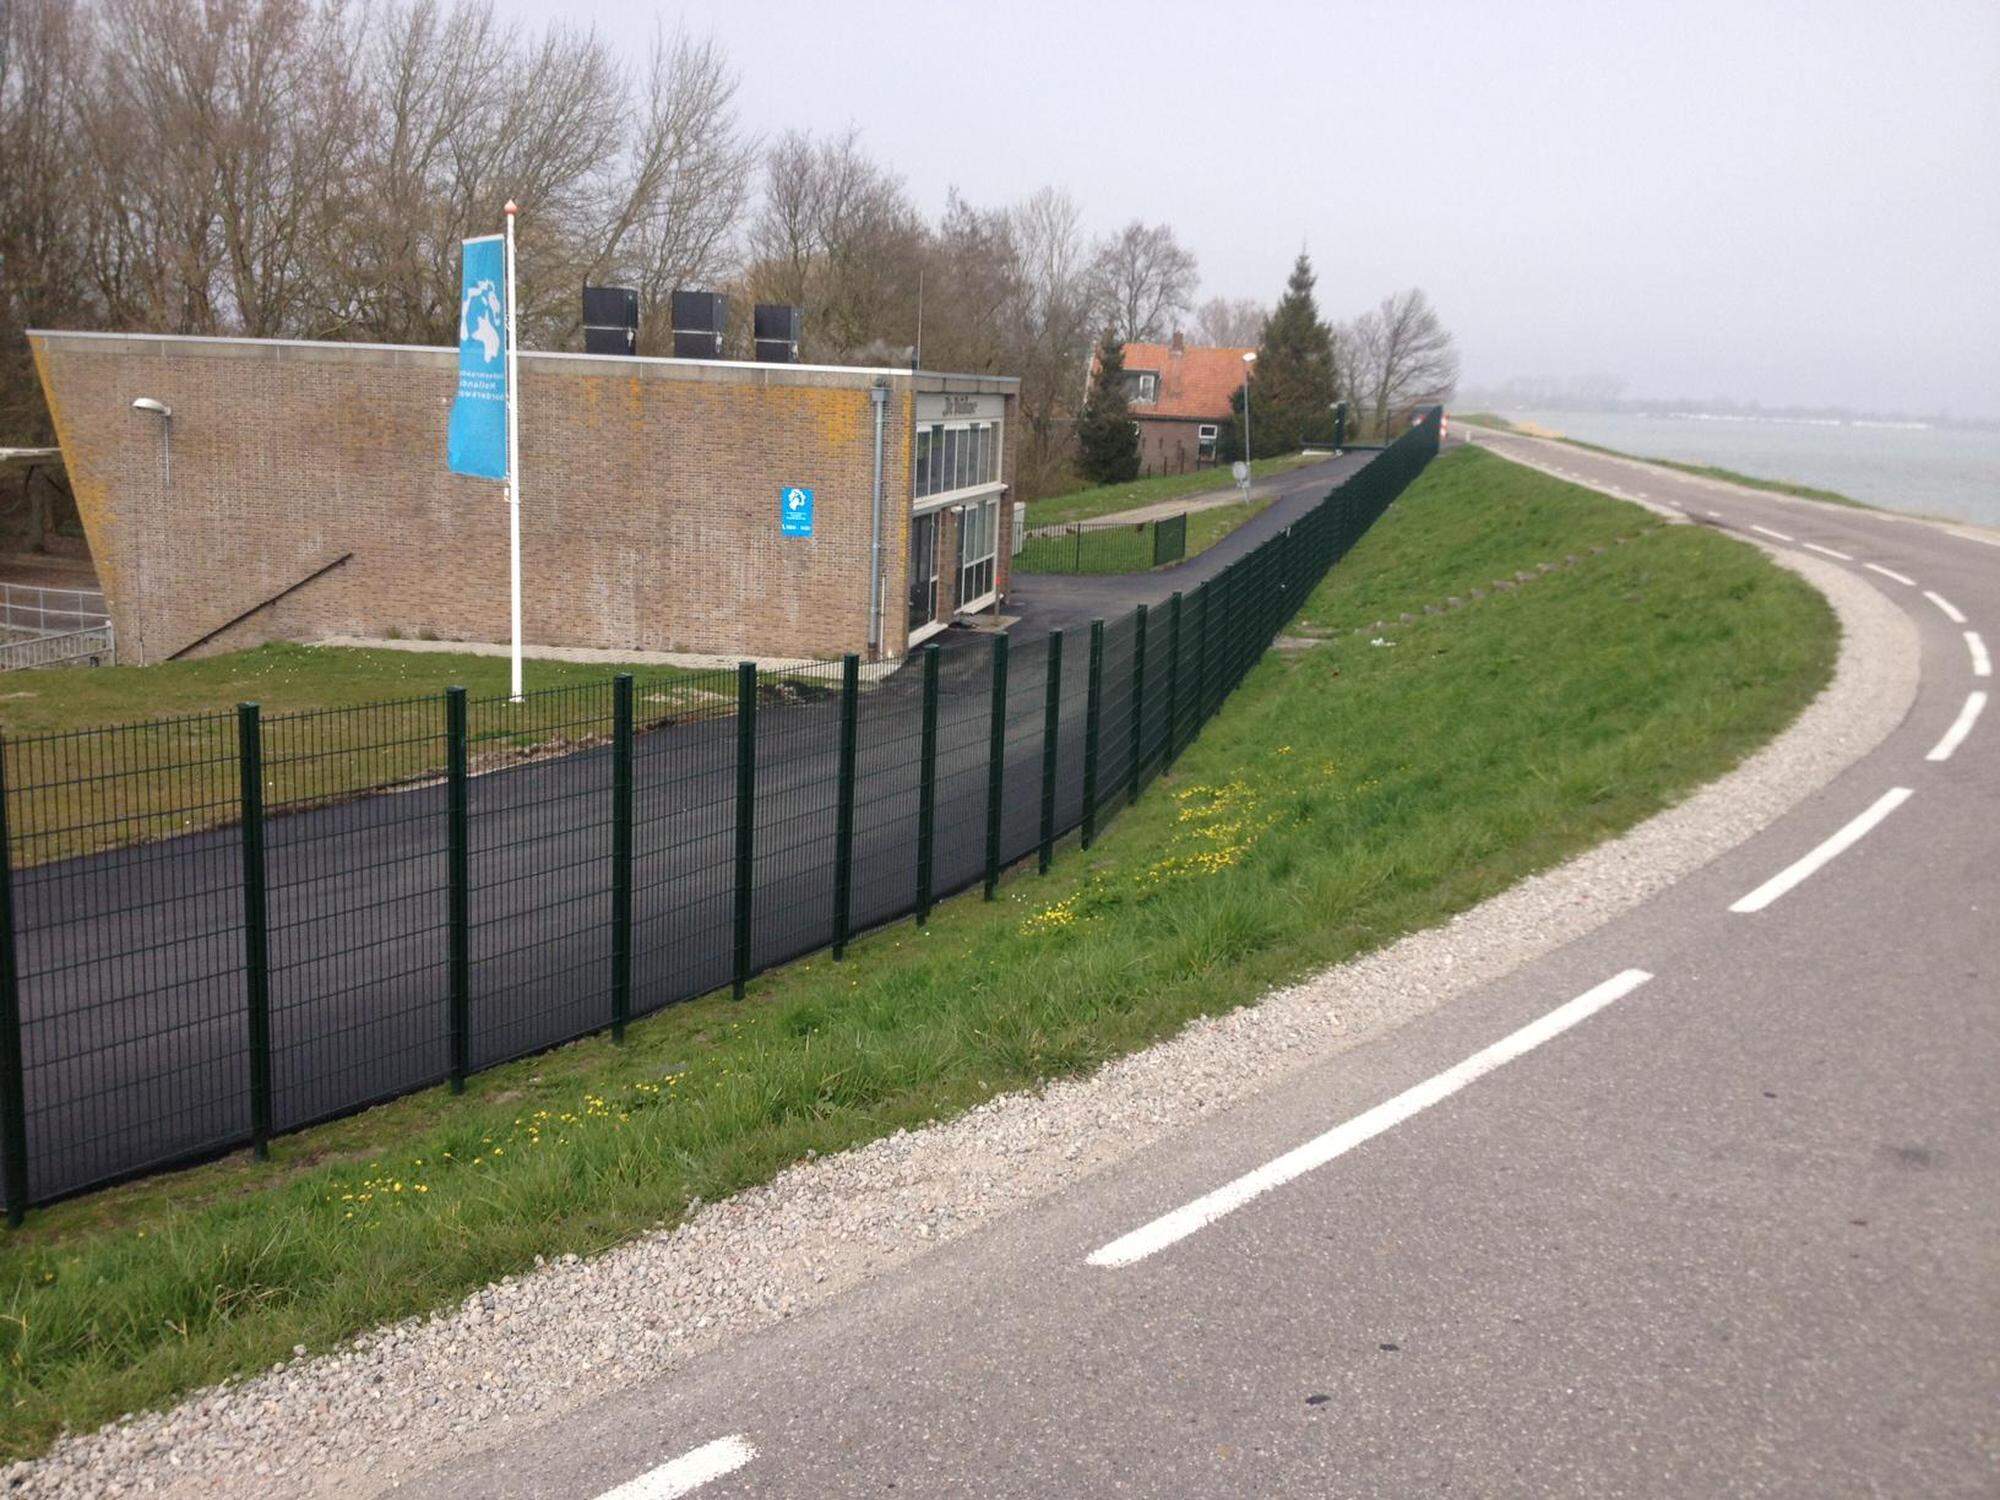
(923, 570)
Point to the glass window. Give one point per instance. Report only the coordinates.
(978, 534)
(955, 458)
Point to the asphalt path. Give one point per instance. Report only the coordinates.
(135, 1036)
(1706, 1202)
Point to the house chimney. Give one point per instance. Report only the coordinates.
(1179, 344)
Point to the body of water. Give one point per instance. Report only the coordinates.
(1931, 471)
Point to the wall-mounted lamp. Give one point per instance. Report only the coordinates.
(165, 413)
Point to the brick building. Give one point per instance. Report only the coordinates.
(299, 490)
(1180, 395)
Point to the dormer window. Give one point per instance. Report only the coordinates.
(1142, 387)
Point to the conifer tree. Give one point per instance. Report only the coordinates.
(1293, 388)
(1106, 437)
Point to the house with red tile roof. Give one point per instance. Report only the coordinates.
(1180, 395)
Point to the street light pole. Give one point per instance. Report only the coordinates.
(1249, 359)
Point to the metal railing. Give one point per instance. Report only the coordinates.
(1102, 546)
(219, 928)
(95, 646)
(29, 609)
(48, 627)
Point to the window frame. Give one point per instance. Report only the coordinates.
(984, 567)
(971, 459)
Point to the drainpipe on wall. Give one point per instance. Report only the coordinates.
(879, 394)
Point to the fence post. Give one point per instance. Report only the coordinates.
(256, 923)
(1138, 705)
(1093, 715)
(996, 764)
(1077, 567)
(13, 1074)
(746, 815)
(458, 916)
(621, 854)
(1051, 724)
(1206, 595)
(927, 787)
(1170, 748)
(843, 810)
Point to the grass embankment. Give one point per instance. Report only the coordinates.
(1129, 549)
(1700, 471)
(1346, 795)
(172, 768)
(1107, 499)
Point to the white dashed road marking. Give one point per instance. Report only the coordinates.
(1779, 535)
(1842, 841)
(687, 1473)
(1890, 573)
(1171, 1228)
(1975, 704)
(1982, 664)
(1950, 610)
(1830, 552)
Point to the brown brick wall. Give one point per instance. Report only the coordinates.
(1167, 447)
(649, 497)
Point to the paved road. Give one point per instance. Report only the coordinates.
(1732, 1228)
(134, 1034)
(1046, 602)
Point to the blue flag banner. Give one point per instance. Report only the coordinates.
(477, 441)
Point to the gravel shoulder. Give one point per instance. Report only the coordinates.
(406, 1399)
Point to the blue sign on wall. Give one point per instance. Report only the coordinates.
(476, 443)
(795, 511)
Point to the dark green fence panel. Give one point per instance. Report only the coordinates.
(182, 972)
(1051, 749)
(256, 927)
(621, 854)
(746, 819)
(458, 877)
(13, 1101)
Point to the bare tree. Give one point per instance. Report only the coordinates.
(836, 235)
(44, 220)
(972, 290)
(682, 195)
(1229, 322)
(1148, 280)
(1402, 355)
(1060, 308)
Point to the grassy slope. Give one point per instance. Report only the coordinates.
(1081, 505)
(1347, 794)
(281, 678)
(1478, 519)
(1703, 471)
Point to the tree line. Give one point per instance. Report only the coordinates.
(307, 169)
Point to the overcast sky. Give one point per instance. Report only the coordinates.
(1788, 203)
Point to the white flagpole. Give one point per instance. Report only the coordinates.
(513, 459)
